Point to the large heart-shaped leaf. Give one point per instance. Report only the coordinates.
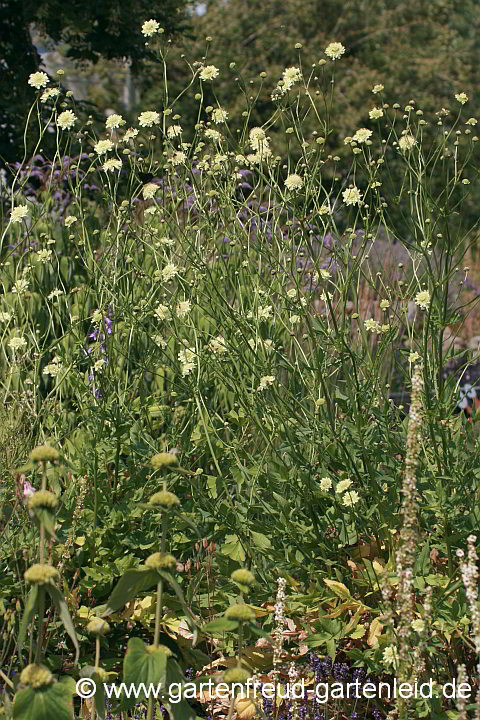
(143, 669)
(131, 584)
(53, 701)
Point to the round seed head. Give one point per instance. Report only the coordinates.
(36, 676)
(243, 577)
(43, 499)
(152, 649)
(44, 453)
(161, 460)
(97, 626)
(236, 675)
(41, 574)
(161, 561)
(164, 499)
(240, 612)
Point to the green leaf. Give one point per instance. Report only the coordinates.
(234, 549)
(89, 671)
(28, 614)
(131, 584)
(178, 592)
(212, 486)
(142, 666)
(220, 625)
(180, 710)
(53, 701)
(64, 615)
(260, 540)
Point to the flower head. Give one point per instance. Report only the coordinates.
(150, 27)
(208, 72)
(352, 196)
(350, 498)
(343, 485)
(164, 459)
(114, 121)
(362, 135)
(36, 676)
(38, 80)
(97, 626)
(242, 576)
(44, 453)
(164, 499)
(103, 146)
(294, 182)
(66, 120)
(161, 561)
(334, 50)
(219, 115)
(41, 574)
(18, 213)
(406, 142)
(422, 299)
(325, 483)
(375, 113)
(149, 191)
(148, 118)
(112, 165)
(462, 98)
(43, 499)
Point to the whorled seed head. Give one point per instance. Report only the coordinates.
(152, 649)
(243, 577)
(240, 612)
(161, 460)
(164, 499)
(41, 574)
(161, 561)
(44, 453)
(36, 676)
(43, 499)
(98, 626)
(236, 675)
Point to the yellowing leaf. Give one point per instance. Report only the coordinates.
(80, 540)
(359, 632)
(376, 628)
(338, 588)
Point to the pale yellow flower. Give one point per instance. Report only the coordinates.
(334, 50)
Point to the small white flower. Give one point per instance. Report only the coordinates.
(103, 146)
(149, 191)
(334, 50)
(114, 121)
(350, 498)
(217, 345)
(150, 27)
(265, 381)
(17, 343)
(18, 213)
(294, 182)
(372, 325)
(362, 135)
(69, 220)
(66, 120)
(219, 115)
(49, 93)
(462, 98)
(38, 80)
(343, 485)
(169, 271)
(111, 165)
(352, 196)
(183, 308)
(5, 317)
(418, 625)
(130, 134)
(174, 131)
(406, 142)
(375, 113)
(325, 483)
(390, 656)
(148, 118)
(413, 357)
(209, 72)
(377, 89)
(162, 311)
(422, 299)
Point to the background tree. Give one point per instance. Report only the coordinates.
(91, 30)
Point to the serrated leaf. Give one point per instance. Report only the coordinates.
(64, 615)
(131, 584)
(28, 614)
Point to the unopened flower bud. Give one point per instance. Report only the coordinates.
(36, 676)
(161, 561)
(97, 626)
(240, 612)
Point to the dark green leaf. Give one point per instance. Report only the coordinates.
(131, 584)
(28, 614)
(62, 610)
